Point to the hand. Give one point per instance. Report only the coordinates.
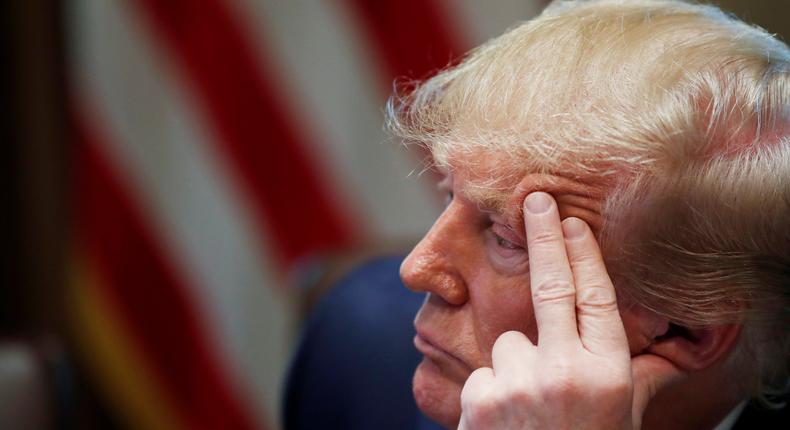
(580, 375)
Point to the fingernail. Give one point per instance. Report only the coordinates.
(537, 203)
(573, 228)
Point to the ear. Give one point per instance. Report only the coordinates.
(695, 349)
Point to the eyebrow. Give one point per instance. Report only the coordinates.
(493, 202)
(488, 200)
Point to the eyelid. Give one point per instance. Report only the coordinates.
(507, 233)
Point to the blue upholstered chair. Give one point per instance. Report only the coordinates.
(354, 364)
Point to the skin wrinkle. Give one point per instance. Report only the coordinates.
(575, 198)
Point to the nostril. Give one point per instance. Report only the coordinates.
(429, 272)
(437, 280)
(453, 290)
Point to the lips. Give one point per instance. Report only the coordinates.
(426, 347)
(448, 362)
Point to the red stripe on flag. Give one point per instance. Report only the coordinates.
(413, 38)
(289, 194)
(149, 297)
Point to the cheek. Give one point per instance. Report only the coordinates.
(501, 305)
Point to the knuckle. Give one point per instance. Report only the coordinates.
(560, 379)
(599, 296)
(479, 410)
(517, 394)
(483, 407)
(478, 379)
(558, 390)
(544, 238)
(522, 398)
(510, 338)
(480, 405)
(583, 258)
(553, 290)
(478, 382)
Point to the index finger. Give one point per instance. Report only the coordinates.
(551, 279)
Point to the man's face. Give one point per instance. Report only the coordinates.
(474, 266)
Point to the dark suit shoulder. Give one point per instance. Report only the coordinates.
(757, 416)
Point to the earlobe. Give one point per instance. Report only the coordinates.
(695, 349)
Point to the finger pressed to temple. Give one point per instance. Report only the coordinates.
(551, 279)
(599, 323)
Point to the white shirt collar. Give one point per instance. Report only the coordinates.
(729, 421)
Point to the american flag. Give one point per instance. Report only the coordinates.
(219, 144)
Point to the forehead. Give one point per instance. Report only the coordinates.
(481, 184)
(494, 186)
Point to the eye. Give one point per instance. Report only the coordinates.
(504, 243)
(448, 198)
(446, 186)
(506, 256)
(505, 248)
(505, 239)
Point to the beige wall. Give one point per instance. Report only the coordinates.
(770, 14)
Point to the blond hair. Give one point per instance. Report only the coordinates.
(681, 111)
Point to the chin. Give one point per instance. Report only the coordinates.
(437, 396)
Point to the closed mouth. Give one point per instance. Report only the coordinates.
(439, 355)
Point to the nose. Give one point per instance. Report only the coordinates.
(433, 265)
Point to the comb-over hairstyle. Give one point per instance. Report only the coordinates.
(681, 112)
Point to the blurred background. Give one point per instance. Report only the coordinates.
(185, 178)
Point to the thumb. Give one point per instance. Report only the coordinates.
(651, 374)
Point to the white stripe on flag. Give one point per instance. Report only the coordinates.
(159, 144)
(332, 79)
